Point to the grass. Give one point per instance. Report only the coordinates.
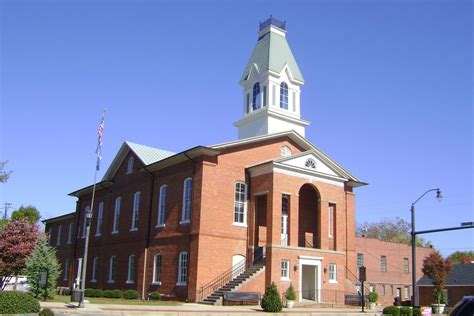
(118, 301)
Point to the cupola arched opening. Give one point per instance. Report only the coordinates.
(256, 96)
(284, 96)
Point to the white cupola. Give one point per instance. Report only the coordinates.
(271, 86)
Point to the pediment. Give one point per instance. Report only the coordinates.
(309, 161)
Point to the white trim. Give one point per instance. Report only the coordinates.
(154, 268)
(242, 203)
(180, 274)
(286, 193)
(185, 220)
(239, 224)
(310, 258)
(260, 193)
(69, 233)
(130, 276)
(133, 229)
(160, 225)
(109, 280)
(130, 165)
(137, 196)
(287, 278)
(100, 219)
(312, 261)
(162, 197)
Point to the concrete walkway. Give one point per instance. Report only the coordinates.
(194, 309)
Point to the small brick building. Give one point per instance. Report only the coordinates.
(268, 207)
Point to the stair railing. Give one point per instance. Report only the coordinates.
(354, 279)
(226, 277)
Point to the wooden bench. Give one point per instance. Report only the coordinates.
(241, 298)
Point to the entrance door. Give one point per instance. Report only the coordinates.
(309, 283)
(284, 230)
(237, 265)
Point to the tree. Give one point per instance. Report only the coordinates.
(462, 257)
(17, 241)
(271, 301)
(43, 258)
(4, 175)
(392, 230)
(437, 269)
(29, 212)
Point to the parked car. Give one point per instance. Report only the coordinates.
(464, 307)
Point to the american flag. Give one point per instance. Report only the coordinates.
(98, 151)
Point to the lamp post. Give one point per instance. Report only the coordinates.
(86, 248)
(413, 242)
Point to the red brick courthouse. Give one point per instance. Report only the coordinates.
(268, 207)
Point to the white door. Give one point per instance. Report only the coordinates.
(238, 265)
(284, 230)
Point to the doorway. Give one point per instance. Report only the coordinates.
(310, 279)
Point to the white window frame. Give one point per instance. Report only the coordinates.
(84, 226)
(131, 269)
(383, 263)
(240, 207)
(156, 269)
(112, 266)
(136, 210)
(406, 267)
(284, 220)
(100, 216)
(332, 273)
(182, 268)
(58, 240)
(382, 289)
(66, 268)
(69, 233)
(285, 151)
(285, 270)
(95, 266)
(187, 202)
(130, 165)
(115, 228)
(406, 292)
(162, 206)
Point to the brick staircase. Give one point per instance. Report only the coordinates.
(215, 298)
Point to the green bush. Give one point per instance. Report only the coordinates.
(373, 297)
(290, 293)
(67, 291)
(416, 311)
(93, 293)
(98, 293)
(391, 310)
(271, 301)
(12, 302)
(131, 294)
(113, 293)
(406, 311)
(46, 312)
(155, 296)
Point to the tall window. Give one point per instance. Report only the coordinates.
(50, 232)
(383, 289)
(391, 290)
(95, 267)
(112, 269)
(285, 269)
(84, 223)
(248, 103)
(256, 97)
(331, 220)
(136, 210)
(332, 272)
(66, 268)
(100, 215)
(187, 194)
(240, 199)
(162, 206)
(264, 96)
(183, 268)
(360, 260)
(157, 269)
(284, 96)
(130, 165)
(383, 263)
(58, 241)
(406, 265)
(407, 292)
(69, 233)
(285, 207)
(131, 269)
(115, 227)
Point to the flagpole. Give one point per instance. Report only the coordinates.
(88, 217)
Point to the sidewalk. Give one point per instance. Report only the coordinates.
(194, 309)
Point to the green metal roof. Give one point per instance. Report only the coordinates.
(148, 155)
(272, 52)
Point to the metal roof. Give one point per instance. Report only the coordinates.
(462, 274)
(147, 154)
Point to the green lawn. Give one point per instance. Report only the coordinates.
(121, 301)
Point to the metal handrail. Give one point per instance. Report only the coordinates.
(357, 282)
(226, 277)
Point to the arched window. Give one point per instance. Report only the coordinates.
(182, 268)
(310, 163)
(58, 241)
(130, 165)
(69, 233)
(66, 269)
(84, 223)
(112, 269)
(95, 267)
(131, 269)
(284, 95)
(240, 200)
(285, 151)
(100, 215)
(136, 210)
(162, 206)
(157, 269)
(116, 215)
(256, 97)
(187, 199)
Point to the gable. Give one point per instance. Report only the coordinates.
(300, 161)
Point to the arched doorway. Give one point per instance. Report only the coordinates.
(309, 225)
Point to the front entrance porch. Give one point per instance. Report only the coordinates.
(310, 279)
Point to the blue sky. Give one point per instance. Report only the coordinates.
(388, 91)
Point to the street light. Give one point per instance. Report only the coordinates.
(413, 242)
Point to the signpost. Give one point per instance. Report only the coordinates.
(362, 278)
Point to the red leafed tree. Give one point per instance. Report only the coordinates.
(437, 269)
(17, 241)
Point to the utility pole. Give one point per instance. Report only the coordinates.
(7, 205)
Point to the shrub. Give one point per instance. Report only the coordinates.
(290, 293)
(99, 293)
(131, 294)
(89, 292)
(373, 297)
(416, 311)
(12, 302)
(391, 310)
(113, 293)
(67, 291)
(155, 296)
(271, 301)
(406, 311)
(439, 296)
(46, 312)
